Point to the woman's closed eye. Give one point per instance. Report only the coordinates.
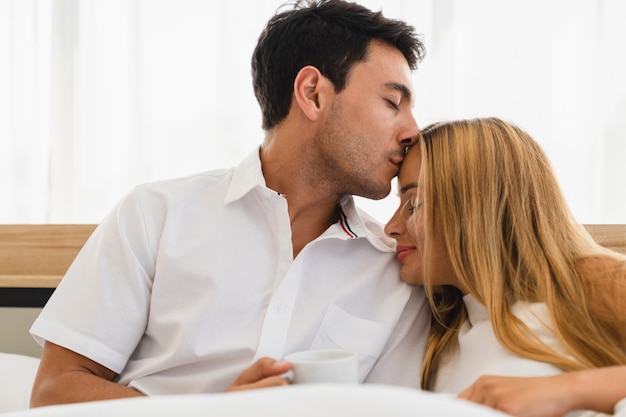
(412, 205)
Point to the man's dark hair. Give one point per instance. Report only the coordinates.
(333, 36)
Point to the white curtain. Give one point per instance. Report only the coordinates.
(97, 96)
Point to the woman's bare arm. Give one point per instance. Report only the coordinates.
(595, 389)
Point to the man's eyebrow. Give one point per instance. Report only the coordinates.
(401, 88)
(407, 187)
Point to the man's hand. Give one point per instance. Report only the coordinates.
(265, 372)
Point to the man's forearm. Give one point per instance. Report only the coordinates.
(78, 386)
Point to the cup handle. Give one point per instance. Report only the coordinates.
(288, 376)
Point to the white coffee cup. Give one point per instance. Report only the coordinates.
(324, 366)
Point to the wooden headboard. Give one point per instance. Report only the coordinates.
(37, 256)
(612, 236)
(34, 258)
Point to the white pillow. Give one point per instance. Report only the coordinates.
(17, 373)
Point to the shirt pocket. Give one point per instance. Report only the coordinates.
(342, 330)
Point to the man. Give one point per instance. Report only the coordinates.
(189, 282)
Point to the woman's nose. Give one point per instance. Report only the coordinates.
(391, 228)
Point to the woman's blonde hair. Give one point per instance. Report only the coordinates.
(490, 191)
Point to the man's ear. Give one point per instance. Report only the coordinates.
(311, 90)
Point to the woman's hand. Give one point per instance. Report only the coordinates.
(523, 396)
(597, 389)
(266, 372)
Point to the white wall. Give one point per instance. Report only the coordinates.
(14, 336)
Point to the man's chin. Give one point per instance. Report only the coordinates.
(377, 193)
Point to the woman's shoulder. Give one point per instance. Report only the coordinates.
(604, 276)
(602, 266)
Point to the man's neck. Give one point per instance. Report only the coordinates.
(311, 209)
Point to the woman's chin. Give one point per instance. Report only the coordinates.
(409, 278)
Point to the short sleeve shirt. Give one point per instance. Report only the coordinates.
(186, 282)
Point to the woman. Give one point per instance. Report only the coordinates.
(516, 286)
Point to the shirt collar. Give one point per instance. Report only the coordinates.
(476, 312)
(356, 223)
(353, 223)
(246, 176)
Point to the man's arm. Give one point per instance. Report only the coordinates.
(67, 377)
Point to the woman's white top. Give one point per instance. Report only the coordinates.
(480, 353)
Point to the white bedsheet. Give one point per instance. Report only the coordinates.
(323, 400)
(17, 373)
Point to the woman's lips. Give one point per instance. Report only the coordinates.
(404, 251)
